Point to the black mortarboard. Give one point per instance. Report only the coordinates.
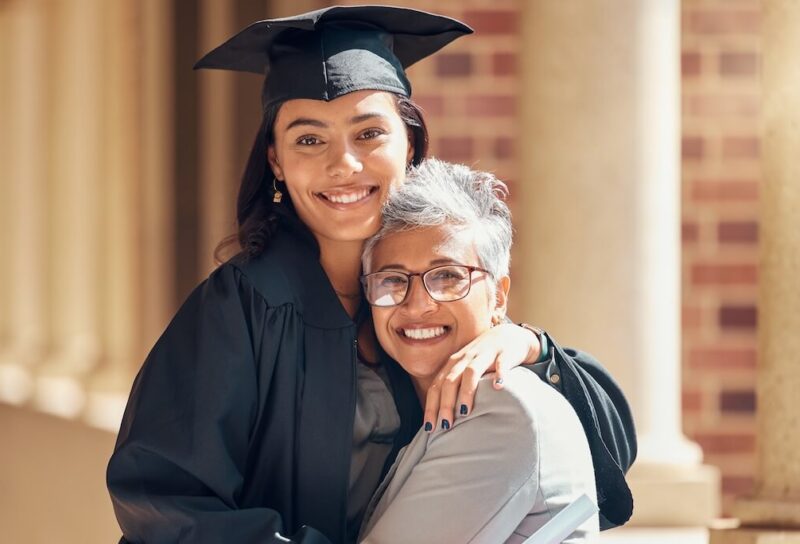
(326, 53)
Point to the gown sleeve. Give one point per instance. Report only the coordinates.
(606, 419)
(177, 471)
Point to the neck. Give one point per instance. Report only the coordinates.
(421, 386)
(342, 264)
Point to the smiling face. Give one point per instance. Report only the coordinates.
(339, 160)
(421, 333)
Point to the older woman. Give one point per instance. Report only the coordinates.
(436, 275)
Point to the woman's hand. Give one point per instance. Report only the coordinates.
(497, 350)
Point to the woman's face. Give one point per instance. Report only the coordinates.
(446, 326)
(339, 159)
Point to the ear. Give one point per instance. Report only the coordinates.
(272, 158)
(501, 299)
(410, 150)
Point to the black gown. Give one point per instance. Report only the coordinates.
(239, 424)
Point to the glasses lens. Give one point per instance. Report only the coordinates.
(386, 288)
(446, 283)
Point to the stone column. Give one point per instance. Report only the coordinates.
(122, 216)
(157, 171)
(772, 514)
(76, 155)
(219, 167)
(598, 246)
(24, 196)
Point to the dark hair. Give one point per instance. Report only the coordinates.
(257, 216)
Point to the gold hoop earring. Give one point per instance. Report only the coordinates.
(277, 195)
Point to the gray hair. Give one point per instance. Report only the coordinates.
(438, 193)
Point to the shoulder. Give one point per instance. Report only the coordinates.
(524, 396)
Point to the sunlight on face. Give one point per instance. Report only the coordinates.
(339, 160)
(422, 333)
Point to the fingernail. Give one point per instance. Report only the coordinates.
(499, 381)
(463, 409)
(445, 424)
(428, 426)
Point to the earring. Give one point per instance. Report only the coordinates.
(278, 195)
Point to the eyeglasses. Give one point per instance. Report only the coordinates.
(443, 283)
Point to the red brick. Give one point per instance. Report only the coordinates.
(487, 21)
(453, 64)
(738, 402)
(689, 232)
(692, 147)
(431, 104)
(737, 232)
(691, 401)
(724, 21)
(691, 64)
(504, 64)
(737, 485)
(724, 274)
(691, 317)
(726, 443)
(727, 106)
(456, 149)
(710, 358)
(724, 190)
(741, 147)
(738, 317)
(503, 147)
(738, 64)
(491, 105)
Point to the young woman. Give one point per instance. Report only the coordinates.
(436, 275)
(252, 418)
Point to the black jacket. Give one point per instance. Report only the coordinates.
(239, 424)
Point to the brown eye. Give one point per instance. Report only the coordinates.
(308, 140)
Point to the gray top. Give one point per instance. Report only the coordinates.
(375, 425)
(498, 475)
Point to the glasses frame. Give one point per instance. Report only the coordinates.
(421, 275)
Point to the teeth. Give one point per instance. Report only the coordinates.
(424, 334)
(347, 198)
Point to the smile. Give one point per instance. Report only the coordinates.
(348, 196)
(423, 334)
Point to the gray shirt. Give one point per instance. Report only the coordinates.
(498, 475)
(375, 425)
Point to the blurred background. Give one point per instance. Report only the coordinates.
(628, 131)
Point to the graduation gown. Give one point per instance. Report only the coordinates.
(239, 424)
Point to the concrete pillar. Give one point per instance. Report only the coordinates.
(24, 196)
(76, 153)
(219, 167)
(157, 170)
(772, 514)
(121, 216)
(598, 221)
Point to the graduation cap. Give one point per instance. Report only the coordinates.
(330, 52)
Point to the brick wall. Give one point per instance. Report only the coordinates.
(721, 176)
(469, 94)
(469, 89)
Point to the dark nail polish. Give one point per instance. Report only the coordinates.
(463, 409)
(445, 424)
(499, 381)
(428, 426)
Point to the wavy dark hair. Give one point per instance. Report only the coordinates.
(257, 217)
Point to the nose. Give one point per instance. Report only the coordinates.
(343, 160)
(418, 302)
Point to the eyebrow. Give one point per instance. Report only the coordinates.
(433, 263)
(307, 121)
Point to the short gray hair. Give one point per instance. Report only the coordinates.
(437, 193)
